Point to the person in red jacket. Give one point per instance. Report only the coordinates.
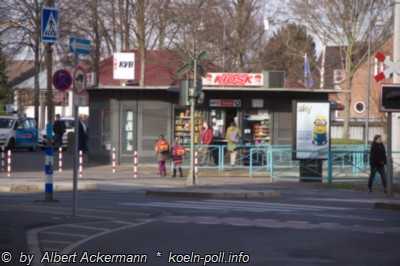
(178, 151)
(162, 149)
(206, 138)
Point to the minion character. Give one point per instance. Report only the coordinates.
(320, 131)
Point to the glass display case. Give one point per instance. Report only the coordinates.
(182, 125)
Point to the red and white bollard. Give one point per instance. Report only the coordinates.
(80, 164)
(114, 164)
(3, 160)
(196, 163)
(60, 160)
(8, 163)
(135, 164)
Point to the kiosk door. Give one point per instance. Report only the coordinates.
(154, 119)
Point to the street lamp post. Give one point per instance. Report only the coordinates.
(192, 95)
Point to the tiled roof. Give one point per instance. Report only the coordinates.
(160, 69)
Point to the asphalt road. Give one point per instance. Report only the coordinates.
(303, 227)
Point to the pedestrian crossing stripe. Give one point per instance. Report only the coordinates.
(238, 206)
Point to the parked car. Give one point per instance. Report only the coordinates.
(69, 123)
(18, 132)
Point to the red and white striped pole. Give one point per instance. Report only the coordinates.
(114, 164)
(196, 163)
(3, 160)
(60, 160)
(80, 164)
(8, 163)
(135, 164)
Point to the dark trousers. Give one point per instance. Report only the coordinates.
(58, 140)
(381, 170)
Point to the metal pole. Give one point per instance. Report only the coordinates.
(390, 159)
(49, 159)
(76, 148)
(395, 122)
(223, 46)
(369, 85)
(192, 177)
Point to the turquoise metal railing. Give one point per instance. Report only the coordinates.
(344, 161)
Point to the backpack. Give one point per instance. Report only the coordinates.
(179, 151)
(163, 146)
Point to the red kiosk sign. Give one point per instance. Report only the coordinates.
(234, 79)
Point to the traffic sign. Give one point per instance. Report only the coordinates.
(389, 67)
(62, 80)
(79, 46)
(79, 80)
(49, 25)
(390, 98)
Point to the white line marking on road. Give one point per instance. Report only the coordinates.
(344, 200)
(205, 207)
(87, 227)
(309, 207)
(61, 242)
(70, 248)
(64, 234)
(349, 217)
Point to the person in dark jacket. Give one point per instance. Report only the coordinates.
(59, 130)
(82, 135)
(377, 160)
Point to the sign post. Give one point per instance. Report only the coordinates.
(390, 97)
(49, 36)
(77, 46)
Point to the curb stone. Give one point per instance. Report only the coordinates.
(214, 194)
(33, 188)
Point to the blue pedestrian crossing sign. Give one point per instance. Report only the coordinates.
(49, 25)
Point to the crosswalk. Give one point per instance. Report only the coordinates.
(235, 206)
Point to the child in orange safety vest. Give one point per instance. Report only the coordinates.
(178, 151)
(162, 149)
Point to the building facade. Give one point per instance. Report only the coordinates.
(365, 93)
(128, 116)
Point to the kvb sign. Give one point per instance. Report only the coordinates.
(389, 67)
(124, 66)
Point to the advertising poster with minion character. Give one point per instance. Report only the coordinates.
(312, 130)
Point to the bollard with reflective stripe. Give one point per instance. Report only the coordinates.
(60, 160)
(8, 163)
(3, 160)
(196, 163)
(113, 161)
(135, 164)
(80, 164)
(48, 170)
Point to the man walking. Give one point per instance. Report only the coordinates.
(377, 160)
(59, 130)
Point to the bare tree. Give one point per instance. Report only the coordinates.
(347, 24)
(20, 29)
(141, 37)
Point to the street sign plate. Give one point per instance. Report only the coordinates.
(390, 98)
(79, 80)
(79, 46)
(62, 80)
(49, 25)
